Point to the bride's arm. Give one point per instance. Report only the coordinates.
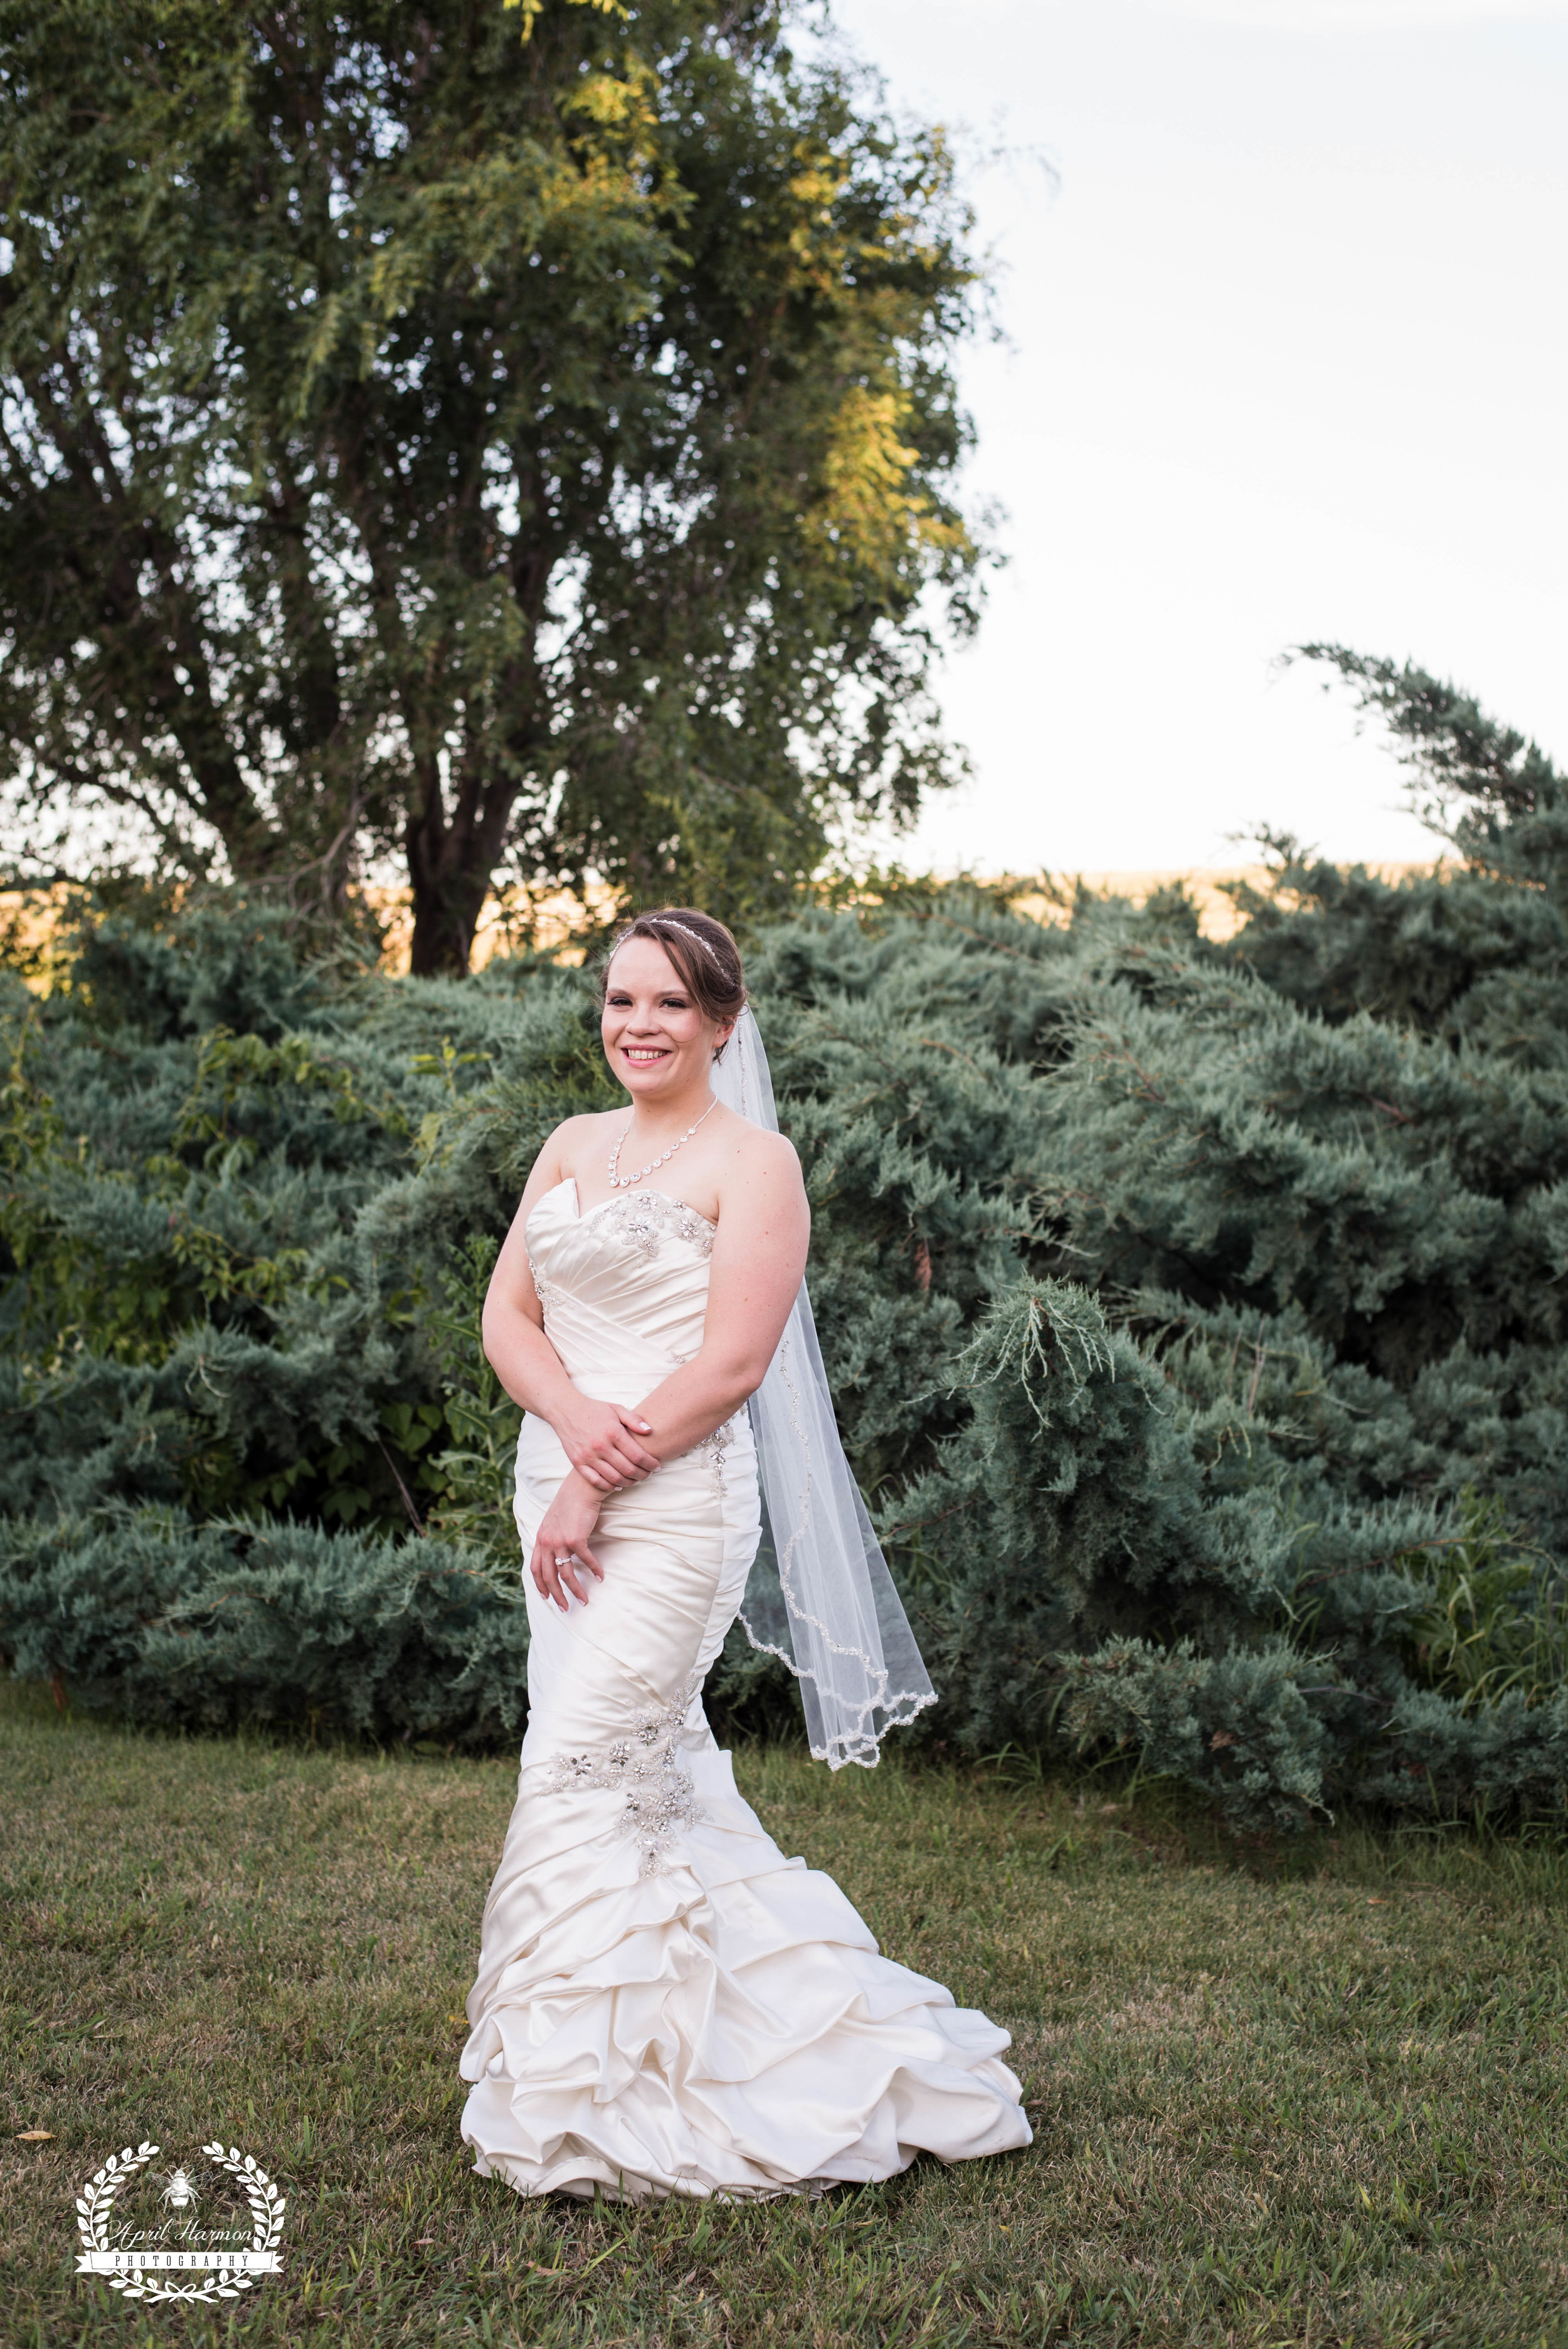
(599, 1438)
(758, 1258)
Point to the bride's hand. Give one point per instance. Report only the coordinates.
(599, 1438)
(560, 1550)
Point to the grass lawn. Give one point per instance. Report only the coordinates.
(1308, 2094)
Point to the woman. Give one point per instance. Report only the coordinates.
(664, 2004)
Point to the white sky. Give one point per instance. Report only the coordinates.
(1289, 343)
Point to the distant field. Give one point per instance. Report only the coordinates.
(1309, 2095)
(1204, 883)
(35, 922)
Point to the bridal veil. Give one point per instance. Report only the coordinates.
(820, 1596)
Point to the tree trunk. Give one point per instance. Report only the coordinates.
(450, 868)
(442, 938)
(453, 844)
(444, 924)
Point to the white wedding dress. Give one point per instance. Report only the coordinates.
(666, 2004)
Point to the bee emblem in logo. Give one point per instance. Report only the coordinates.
(179, 2192)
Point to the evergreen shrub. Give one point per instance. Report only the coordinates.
(208, 1626)
(1195, 1315)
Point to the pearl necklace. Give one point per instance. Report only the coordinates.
(619, 1181)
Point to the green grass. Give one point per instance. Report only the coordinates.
(1280, 2095)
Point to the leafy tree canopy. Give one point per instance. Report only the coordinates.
(513, 439)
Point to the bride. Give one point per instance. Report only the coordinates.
(666, 2004)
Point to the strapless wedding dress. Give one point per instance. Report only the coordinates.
(666, 2004)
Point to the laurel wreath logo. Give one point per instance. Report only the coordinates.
(97, 2201)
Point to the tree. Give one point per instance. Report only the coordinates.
(516, 440)
(1488, 789)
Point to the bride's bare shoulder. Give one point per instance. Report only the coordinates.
(586, 1132)
(761, 1196)
(757, 1154)
(575, 1137)
(592, 1122)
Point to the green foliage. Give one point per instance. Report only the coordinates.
(1491, 790)
(1326, 1257)
(1496, 1620)
(1195, 1321)
(1069, 1512)
(1236, 1724)
(477, 1470)
(519, 443)
(215, 1625)
(1451, 955)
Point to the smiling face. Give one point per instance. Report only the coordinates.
(658, 1040)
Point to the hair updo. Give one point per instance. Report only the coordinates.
(705, 958)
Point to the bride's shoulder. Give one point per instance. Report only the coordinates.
(757, 1153)
(567, 1151)
(584, 1133)
(761, 1194)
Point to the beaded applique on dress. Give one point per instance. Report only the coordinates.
(714, 1448)
(660, 1798)
(542, 1288)
(645, 1218)
(651, 1216)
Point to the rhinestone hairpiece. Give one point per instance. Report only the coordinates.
(695, 935)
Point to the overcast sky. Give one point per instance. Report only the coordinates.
(1288, 345)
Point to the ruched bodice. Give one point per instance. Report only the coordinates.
(624, 1287)
(664, 2004)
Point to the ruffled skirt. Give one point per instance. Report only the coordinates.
(666, 2004)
